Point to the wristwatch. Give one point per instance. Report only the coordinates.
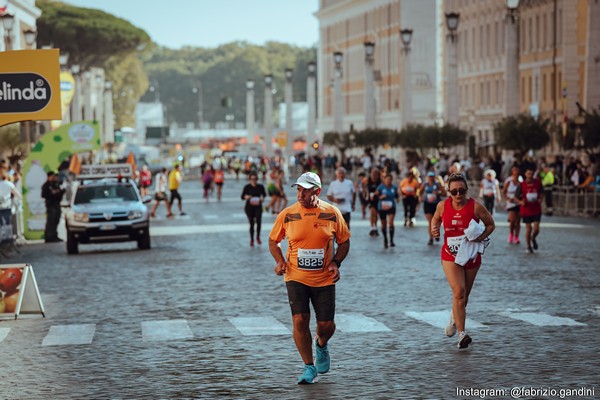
(338, 263)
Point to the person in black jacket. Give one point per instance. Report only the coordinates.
(254, 193)
(52, 193)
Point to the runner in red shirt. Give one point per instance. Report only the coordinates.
(530, 197)
(455, 213)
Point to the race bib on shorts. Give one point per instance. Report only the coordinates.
(431, 197)
(454, 243)
(531, 197)
(386, 205)
(311, 259)
(254, 201)
(488, 192)
(409, 190)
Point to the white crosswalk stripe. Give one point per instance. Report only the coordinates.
(354, 322)
(166, 330)
(542, 319)
(440, 319)
(4, 333)
(252, 326)
(60, 335)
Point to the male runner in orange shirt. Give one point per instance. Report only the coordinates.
(311, 268)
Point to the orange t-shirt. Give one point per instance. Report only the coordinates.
(219, 176)
(409, 188)
(310, 233)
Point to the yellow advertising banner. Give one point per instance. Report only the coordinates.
(29, 86)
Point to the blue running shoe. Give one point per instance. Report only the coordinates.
(308, 376)
(322, 360)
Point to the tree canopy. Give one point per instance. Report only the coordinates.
(90, 36)
(521, 133)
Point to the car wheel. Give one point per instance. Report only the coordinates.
(144, 240)
(72, 244)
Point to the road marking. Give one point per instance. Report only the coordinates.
(60, 335)
(354, 322)
(439, 319)
(251, 326)
(239, 215)
(166, 330)
(541, 319)
(210, 216)
(4, 333)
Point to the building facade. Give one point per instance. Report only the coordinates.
(345, 26)
(25, 15)
(542, 58)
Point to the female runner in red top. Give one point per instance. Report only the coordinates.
(455, 213)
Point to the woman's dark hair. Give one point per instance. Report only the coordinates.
(457, 178)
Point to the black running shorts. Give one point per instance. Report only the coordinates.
(322, 299)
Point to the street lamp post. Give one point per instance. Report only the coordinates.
(268, 123)
(452, 103)
(511, 75)
(8, 21)
(76, 104)
(198, 90)
(250, 110)
(406, 37)
(288, 95)
(369, 85)
(30, 37)
(109, 119)
(311, 91)
(338, 57)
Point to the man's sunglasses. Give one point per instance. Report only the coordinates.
(461, 191)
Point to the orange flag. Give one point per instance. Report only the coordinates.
(131, 160)
(75, 165)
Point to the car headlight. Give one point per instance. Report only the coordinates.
(81, 217)
(135, 214)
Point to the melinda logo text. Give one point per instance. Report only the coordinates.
(23, 93)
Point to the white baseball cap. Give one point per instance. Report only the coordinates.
(308, 180)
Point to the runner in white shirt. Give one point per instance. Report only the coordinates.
(341, 192)
(161, 187)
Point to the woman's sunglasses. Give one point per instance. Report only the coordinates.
(461, 191)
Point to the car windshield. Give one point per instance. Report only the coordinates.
(104, 194)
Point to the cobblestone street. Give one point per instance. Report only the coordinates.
(202, 315)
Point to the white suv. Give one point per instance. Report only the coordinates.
(107, 210)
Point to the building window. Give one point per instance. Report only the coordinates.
(481, 42)
(496, 38)
(545, 31)
(537, 33)
(530, 87)
(559, 27)
(487, 41)
(530, 34)
(473, 49)
(465, 45)
(497, 92)
(523, 90)
(523, 25)
(552, 29)
(481, 94)
(552, 86)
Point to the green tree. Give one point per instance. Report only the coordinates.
(341, 141)
(590, 132)
(372, 137)
(521, 133)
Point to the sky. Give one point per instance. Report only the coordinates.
(210, 23)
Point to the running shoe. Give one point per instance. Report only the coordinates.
(308, 376)
(392, 244)
(182, 213)
(430, 242)
(258, 240)
(510, 238)
(412, 222)
(251, 243)
(437, 239)
(463, 340)
(529, 249)
(535, 245)
(385, 243)
(450, 330)
(516, 240)
(322, 360)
